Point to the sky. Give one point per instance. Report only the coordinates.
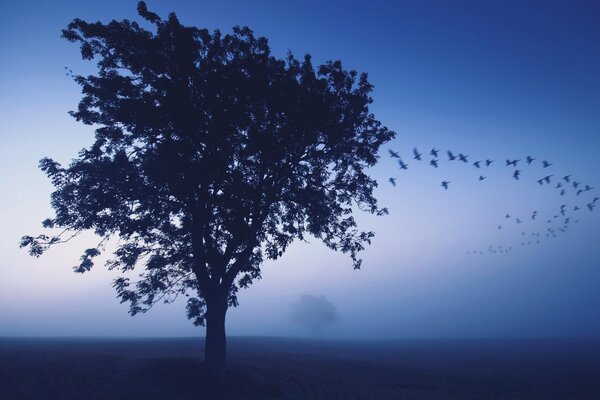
(497, 80)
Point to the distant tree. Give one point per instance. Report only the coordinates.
(210, 156)
(313, 312)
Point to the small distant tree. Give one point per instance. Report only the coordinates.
(210, 156)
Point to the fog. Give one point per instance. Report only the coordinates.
(489, 81)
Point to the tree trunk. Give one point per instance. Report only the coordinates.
(215, 348)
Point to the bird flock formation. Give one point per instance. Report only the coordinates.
(556, 223)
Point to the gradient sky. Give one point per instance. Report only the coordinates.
(496, 80)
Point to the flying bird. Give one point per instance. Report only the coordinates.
(445, 184)
(516, 174)
(434, 153)
(477, 164)
(576, 184)
(530, 160)
(393, 181)
(567, 178)
(481, 177)
(393, 154)
(546, 164)
(434, 163)
(462, 157)
(513, 163)
(417, 154)
(559, 185)
(451, 157)
(488, 162)
(547, 178)
(402, 164)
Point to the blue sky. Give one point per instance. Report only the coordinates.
(489, 79)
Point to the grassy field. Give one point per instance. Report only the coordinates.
(273, 368)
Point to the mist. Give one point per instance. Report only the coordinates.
(490, 83)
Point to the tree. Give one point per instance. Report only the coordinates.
(210, 156)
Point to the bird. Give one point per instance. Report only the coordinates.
(580, 191)
(507, 216)
(451, 157)
(481, 177)
(488, 162)
(518, 221)
(533, 215)
(541, 181)
(591, 206)
(512, 162)
(434, 163)
(562, 192)
(434, 153)
(563, 210)
(402, 164)
(576, 208)
(547, 178)
(417, 154)
(477, 164)
(559, 185)
(499, 226)
(588, 187)
(546, 164)
(445, 184)
(576, 184)
(516, 174)
(393, 154)
(392, 181)
(462, 157)
(595, 199)
(567, 178)
(530, 160)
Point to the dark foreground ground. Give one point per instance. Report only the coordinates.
(268, 368)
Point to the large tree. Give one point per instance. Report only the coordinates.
(210, 156)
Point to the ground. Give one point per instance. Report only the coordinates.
(278, 368)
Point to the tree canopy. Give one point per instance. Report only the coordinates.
(210, 155)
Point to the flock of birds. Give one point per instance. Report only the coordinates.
(558, 222)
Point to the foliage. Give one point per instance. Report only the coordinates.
(210, 156)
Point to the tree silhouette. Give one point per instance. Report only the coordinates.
(210, 156)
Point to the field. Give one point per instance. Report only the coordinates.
(278, 368)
